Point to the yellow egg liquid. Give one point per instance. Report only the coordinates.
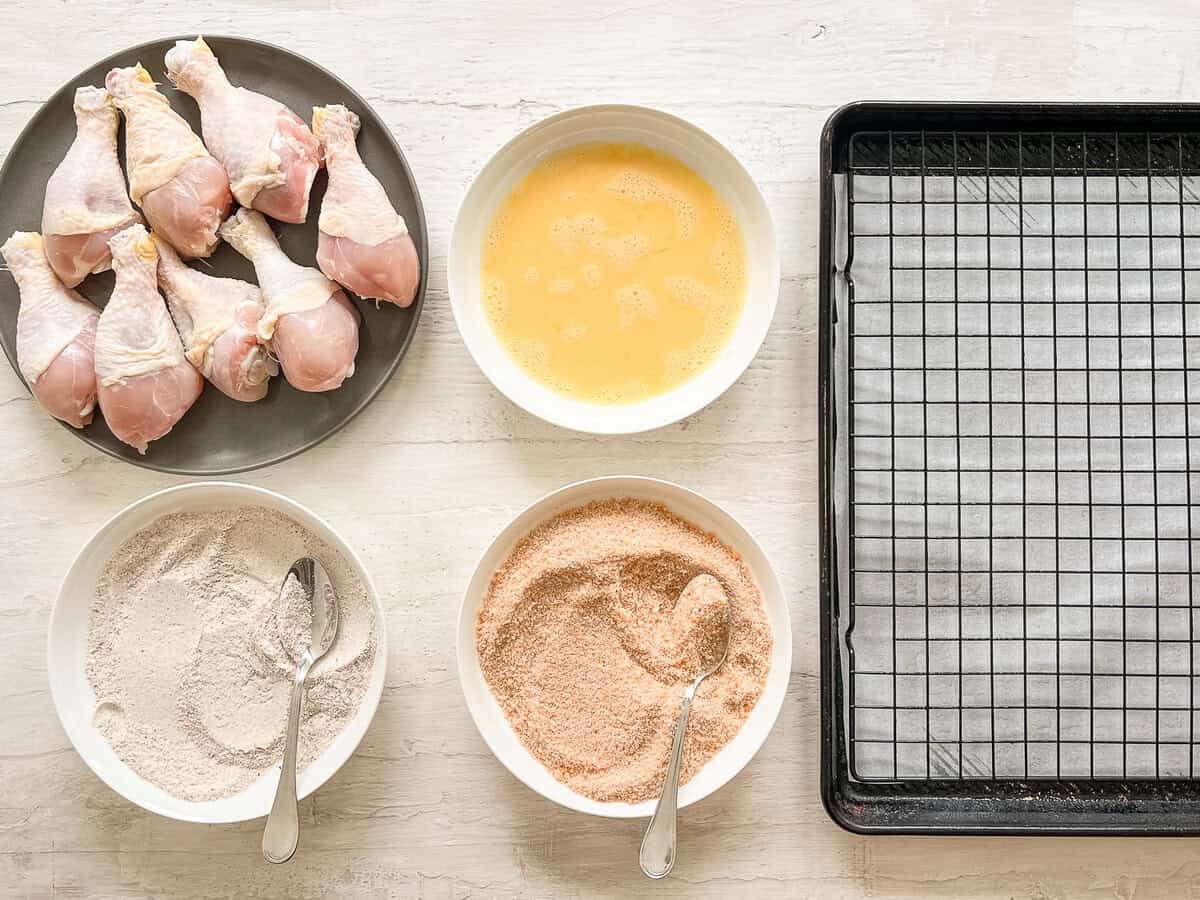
(613, 273)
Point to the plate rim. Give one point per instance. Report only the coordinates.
(422, 230)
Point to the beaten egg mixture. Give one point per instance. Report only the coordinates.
(613, 273)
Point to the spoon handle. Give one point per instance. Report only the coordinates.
(657, 856)
(282, 834)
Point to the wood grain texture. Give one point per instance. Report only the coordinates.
(440, 461)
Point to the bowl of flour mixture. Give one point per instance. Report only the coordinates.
(575, 638)
(171, 652)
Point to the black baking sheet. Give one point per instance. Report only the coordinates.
(1010, 446)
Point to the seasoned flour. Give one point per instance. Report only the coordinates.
(191, 651)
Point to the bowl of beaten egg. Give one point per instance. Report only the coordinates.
(613, 269)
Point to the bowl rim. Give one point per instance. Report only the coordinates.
(469, 663)
(578, 421)
(420, 237)
(371, 699)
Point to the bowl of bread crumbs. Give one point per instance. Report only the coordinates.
(575, 642)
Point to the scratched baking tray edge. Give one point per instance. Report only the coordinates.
(931, 806)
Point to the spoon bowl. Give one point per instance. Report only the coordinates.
(314, 581)
(713, 642)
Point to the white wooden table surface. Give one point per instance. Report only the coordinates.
(440, 461)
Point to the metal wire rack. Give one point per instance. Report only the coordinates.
(1013, 455)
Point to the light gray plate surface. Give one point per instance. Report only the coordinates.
(219, 436)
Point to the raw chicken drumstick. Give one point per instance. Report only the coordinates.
(268, 151)
(183, 191)
(364, 244)
(312, 325)
(217, 319)
(146, 383)
(86, 202)
(56, 333)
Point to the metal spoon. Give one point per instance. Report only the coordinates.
(282, 833)
(657, 856)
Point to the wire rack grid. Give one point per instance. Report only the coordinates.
(1022, 377)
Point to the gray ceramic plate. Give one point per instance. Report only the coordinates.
(219, 436)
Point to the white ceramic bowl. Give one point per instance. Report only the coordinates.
(662, 132)
(73, 696)
(693, 507)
